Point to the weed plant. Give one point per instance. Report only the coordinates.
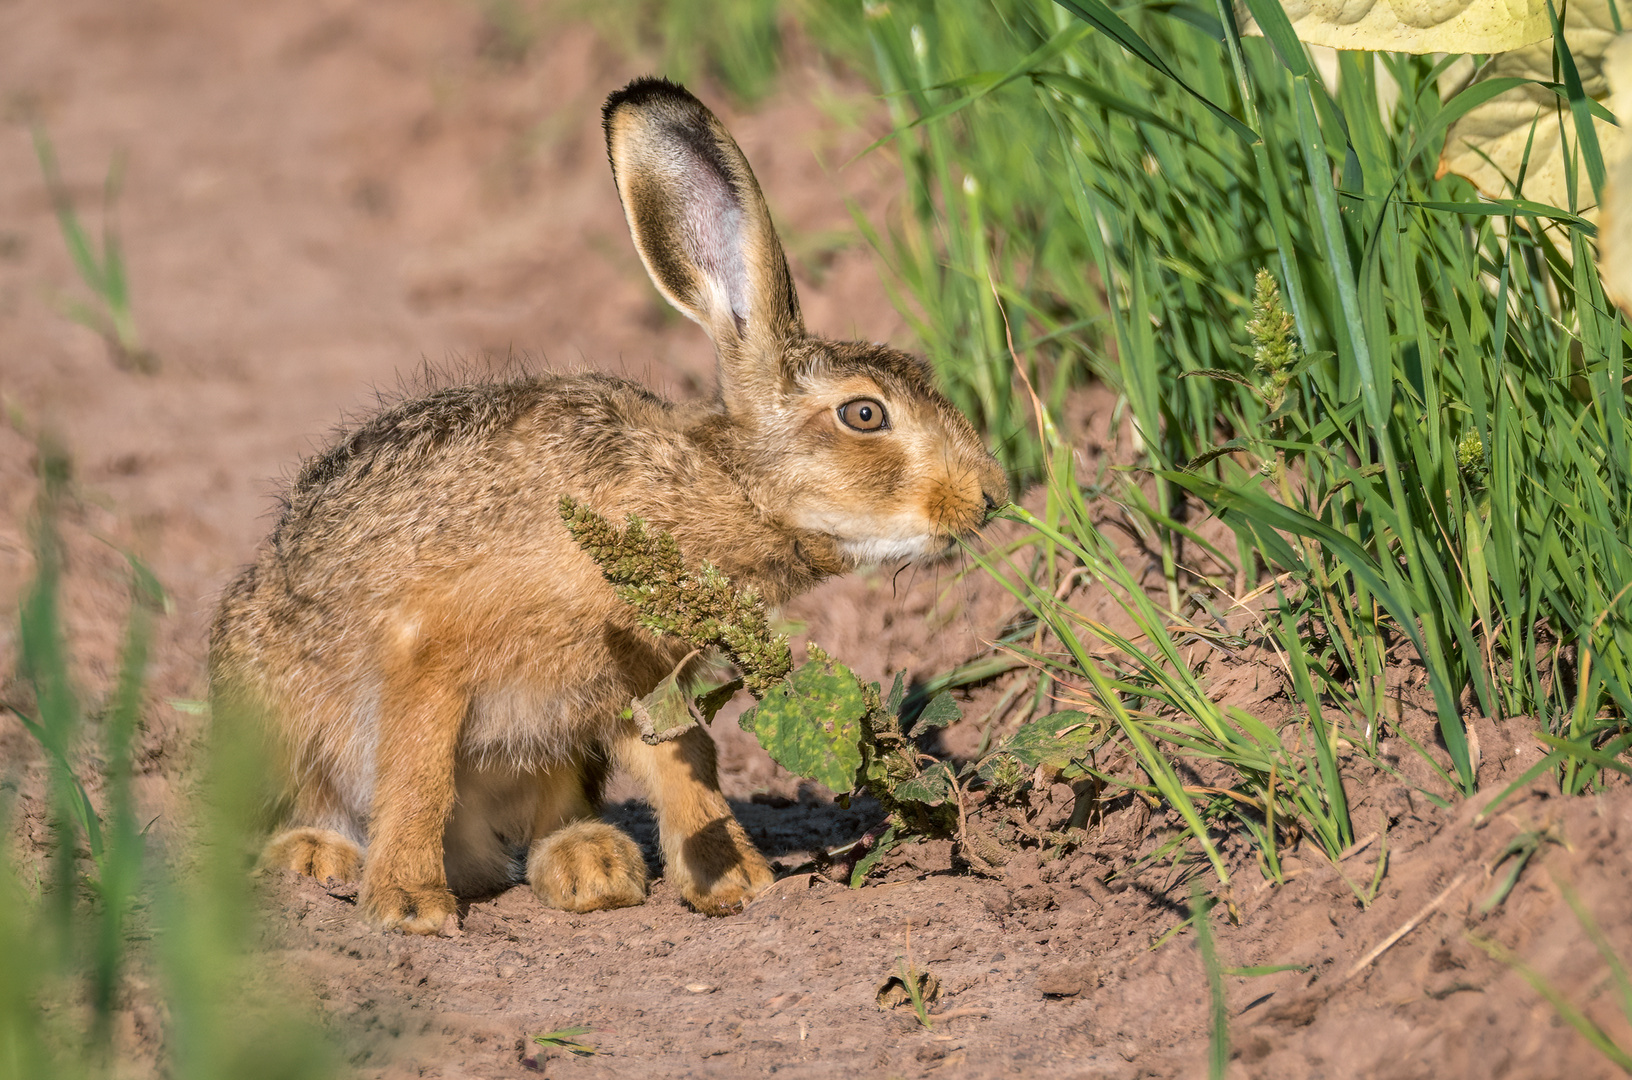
(817, 720)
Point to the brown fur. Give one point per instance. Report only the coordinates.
(442, 670)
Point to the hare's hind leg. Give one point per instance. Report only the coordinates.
(491, 824)
(577, 863)
(317, 835)
(706, 851)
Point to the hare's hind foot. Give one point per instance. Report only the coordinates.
(318, 853)
(719, 870)
(587, 866)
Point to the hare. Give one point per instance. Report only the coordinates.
(442, 674)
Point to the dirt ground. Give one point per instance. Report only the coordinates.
(321, 197)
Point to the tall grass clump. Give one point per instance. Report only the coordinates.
(1406, 400)
(109, 922)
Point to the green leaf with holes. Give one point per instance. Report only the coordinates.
(810, 724)
(1058, 741)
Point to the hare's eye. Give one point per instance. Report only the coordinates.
(863, 414)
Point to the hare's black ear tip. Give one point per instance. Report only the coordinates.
(644, 91)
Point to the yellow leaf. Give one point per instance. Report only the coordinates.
(1615, 230)
(1489, 144)
(1417, 26)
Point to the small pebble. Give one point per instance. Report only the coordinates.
(700, 988)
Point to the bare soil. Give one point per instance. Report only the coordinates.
(323, 196)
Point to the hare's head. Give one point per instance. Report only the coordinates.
(848, 439)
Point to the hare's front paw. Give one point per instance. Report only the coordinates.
(318, 853)
(720, 870)
(412, 909)
(587, 866)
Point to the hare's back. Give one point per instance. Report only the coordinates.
(475, 465)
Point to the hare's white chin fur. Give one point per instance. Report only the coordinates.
(864, 543)
(891, 549)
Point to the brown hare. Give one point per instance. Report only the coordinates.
(442, 673)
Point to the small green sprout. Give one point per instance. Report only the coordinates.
(1218, 1043)
(567, 1039)
(102, 272)
(911, 985)
(1521, 849)
(915, 983)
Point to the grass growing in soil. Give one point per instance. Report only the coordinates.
(1218, 1043)
(90, 928)
(568, 1039)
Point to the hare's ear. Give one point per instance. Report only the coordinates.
(702, 227)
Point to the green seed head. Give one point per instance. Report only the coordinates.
(1470, 454)
(1274, 340)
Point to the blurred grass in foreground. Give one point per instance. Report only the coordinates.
(1567, 1010)
(108, 924)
